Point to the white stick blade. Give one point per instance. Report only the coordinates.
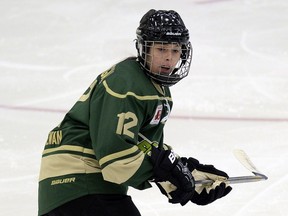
(246, 162)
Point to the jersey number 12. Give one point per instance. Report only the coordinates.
(125, 122)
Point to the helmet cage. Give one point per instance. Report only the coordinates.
(177, 73)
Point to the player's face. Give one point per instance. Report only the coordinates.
(163, 58)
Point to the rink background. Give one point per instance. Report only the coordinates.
(236, 95)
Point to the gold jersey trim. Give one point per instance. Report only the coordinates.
(122, 170)
(70, 148)
(52, 165)
(139, 97)
(116, 155)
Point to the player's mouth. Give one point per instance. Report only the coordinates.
(165, 69)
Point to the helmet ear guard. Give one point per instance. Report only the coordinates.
(164, 27)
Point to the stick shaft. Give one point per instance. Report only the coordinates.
(234, 180)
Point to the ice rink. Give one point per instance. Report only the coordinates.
(236, 95)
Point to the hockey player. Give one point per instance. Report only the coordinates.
(112, 138)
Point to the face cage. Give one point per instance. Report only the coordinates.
(180, 70)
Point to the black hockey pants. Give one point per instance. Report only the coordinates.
(98, 205)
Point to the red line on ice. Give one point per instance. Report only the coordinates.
(180, 117)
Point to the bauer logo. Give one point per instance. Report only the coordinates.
(157, 115)
(63, 181)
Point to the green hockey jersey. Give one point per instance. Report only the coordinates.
(94, 149)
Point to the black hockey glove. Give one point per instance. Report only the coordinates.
(167, 167)
(205, 194)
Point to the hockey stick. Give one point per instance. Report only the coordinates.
(246, 162)
(242, 157)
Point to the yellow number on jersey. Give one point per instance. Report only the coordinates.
(86, 95)
(122, 127)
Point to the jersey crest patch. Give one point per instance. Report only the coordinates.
(157, 115)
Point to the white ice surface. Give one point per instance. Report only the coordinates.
(236, 95)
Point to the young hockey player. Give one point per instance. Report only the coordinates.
(112, 138)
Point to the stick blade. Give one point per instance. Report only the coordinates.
(246, 162)
(242, 157)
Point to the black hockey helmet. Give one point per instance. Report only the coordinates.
(164, 26)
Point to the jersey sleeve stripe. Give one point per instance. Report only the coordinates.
(125, 168)
(116, 155)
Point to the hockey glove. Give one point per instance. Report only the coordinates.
(167, 167)
(205, 194)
